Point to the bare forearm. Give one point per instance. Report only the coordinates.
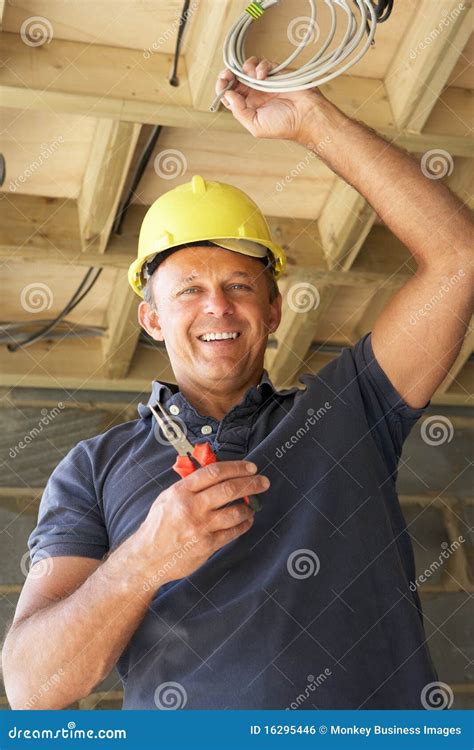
(420, 211)
(61, 652)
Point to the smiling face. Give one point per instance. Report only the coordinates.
(202, 293)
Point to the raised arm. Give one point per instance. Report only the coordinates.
(418, 335)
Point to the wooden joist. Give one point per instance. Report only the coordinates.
(123, 330)
(425, 59)
(111, 152)
(122, 84)
(344, 223)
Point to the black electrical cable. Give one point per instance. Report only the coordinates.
(174, 80)
(73, 302)
(383, 9)
(139, 169)
(148, 150)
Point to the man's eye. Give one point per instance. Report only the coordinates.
(241, 286)
(190, 289)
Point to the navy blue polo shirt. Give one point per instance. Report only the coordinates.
(311, 608)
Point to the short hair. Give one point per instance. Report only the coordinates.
(269, 272)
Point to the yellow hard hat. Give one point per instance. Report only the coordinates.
(199, 211)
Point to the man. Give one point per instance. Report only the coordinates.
(201, 602)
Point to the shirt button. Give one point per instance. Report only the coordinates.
(206, 429)
(174, 409)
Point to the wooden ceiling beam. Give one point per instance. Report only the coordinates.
(123, 330)
(111, 153)
(203, 45)
(344, 223)
(426, 58)
(123, 84)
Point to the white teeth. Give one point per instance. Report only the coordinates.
(219, 336)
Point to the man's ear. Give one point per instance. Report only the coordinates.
(149, 320)
(275, 313)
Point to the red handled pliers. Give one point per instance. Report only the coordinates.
(191, 457)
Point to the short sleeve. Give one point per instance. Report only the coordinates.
(390, 418)
(70, 520)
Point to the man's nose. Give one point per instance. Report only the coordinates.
(218, 303)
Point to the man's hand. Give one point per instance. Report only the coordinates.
(187, 523)
(286, 116)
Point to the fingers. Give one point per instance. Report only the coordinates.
(208, 476)
(228, 518)
(230, 489)
(253, 67)
(220, 538)
(257, 68)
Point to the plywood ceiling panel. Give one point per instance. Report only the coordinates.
(283, 179)
(38, 291)
(45, 152)
(141, 24)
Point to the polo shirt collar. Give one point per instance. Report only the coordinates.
(169, 393)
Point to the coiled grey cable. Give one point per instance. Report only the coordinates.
(322, 67)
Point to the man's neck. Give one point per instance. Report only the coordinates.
(216, 402)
